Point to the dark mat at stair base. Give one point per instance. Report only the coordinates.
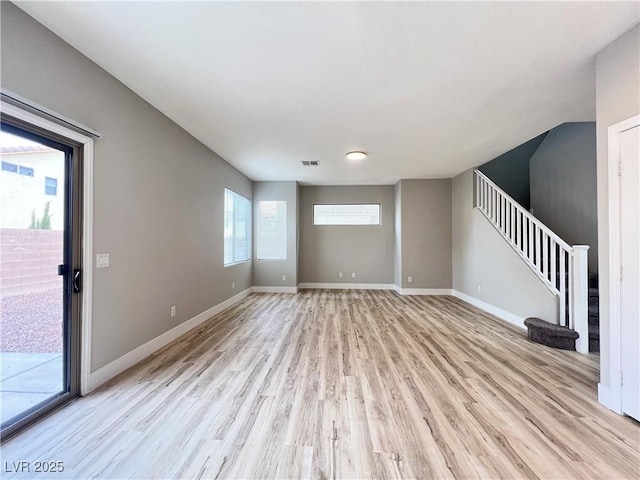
(551, 335)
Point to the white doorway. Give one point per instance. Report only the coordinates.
(629, 148)
(622, 350)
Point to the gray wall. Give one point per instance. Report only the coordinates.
(563, 185)
(481, 257)
(510, 171)
(270, 272)
(397, 244)
(366, 250)
(158, 198)
(617, 98)
(425, 233)
(298, 240)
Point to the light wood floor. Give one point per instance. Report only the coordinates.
(343, 384)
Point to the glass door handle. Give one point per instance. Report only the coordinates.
(77, 281)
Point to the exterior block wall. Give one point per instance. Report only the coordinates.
(29, 260)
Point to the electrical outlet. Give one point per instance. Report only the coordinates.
(410, 279)
(233, 285)
(479, 288)
(173, 311)
(284, 278)
(339, 274)
(353, 275)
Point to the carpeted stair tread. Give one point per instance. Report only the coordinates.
(545, 333)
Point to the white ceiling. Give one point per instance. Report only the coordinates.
(428, 89)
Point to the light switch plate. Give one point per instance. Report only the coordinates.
(102, 260)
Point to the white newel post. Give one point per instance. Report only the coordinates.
(580, 290)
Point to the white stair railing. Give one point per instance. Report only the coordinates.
(562, 268)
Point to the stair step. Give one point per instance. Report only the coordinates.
(593, 292)
(594, 338)
(549, 334)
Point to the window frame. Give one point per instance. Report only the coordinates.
(379, 224)
(46, 187)
(9, 167)
(249, 222)
(26, 171)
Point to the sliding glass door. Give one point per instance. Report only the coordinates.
(40, 274)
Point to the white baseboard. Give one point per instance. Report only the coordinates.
(423, 291)
(349, 286)
(274, 289)
(512, 318)
(610, 399)
(119, 365)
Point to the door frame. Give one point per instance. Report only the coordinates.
(611, 395)
(87, 228)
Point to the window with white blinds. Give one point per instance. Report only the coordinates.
(271, 233)
(237, 228)
(350, 214)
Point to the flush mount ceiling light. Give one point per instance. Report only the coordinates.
(356, 155)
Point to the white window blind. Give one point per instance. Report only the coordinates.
(272, 230)
(237, 228)
(360, 214)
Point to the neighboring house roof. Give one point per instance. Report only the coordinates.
(26, 149)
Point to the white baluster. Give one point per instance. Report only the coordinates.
(519, 230)
(503, 204)
(552, 277)
(530, 240)
(512, 210)
(494, 202)
(485, 192)
(545, 255)
(538, 250)
(570, 288)
(563, 289)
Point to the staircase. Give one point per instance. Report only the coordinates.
(594, 316)
(560, 267)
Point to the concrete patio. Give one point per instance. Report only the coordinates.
(27, 379)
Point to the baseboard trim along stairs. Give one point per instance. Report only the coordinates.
(509, 317)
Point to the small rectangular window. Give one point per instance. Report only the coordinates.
(351, 214)
(9, 167)
(50, 186)
(25, 171)
(272, 230)
(237, 228)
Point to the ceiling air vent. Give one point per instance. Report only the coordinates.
(310, 163)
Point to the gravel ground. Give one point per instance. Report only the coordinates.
(32, 323)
